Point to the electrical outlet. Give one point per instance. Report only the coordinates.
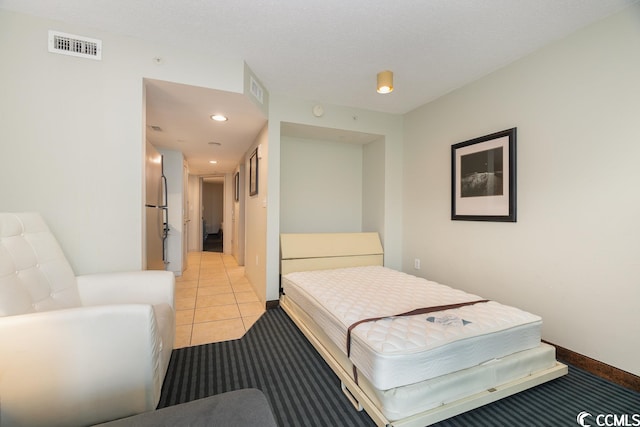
(416, 263)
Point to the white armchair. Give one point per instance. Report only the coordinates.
(76, 350)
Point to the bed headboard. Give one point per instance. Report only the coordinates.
(321, 251)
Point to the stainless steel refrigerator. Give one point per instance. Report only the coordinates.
(156, 210)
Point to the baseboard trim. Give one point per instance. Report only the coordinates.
(608, 372)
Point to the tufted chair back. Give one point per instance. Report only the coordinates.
(34, 273)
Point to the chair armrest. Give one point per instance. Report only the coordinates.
(79, 366)
(142, 287)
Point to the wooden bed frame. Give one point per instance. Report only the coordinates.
(319, 251)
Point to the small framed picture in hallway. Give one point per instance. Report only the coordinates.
(483, 178)
(253, 173)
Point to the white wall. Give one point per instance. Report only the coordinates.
(320, 186)
(573, 255)
(196, 234)
(373, 186)
(72, 134)
(256, 219)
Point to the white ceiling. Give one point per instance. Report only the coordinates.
(330, 51)
(183, 114)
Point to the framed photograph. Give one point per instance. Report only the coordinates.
(253, 173)
(236, 186)
(483, 178)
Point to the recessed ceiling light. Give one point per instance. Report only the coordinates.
(219, 118)
(213, 162)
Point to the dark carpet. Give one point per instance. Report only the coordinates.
(212, 243)
(302, 390)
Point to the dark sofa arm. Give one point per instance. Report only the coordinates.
(240, 408)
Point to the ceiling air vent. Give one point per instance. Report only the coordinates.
(256, 90)
(69, 44)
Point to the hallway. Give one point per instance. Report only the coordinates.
(214, 300)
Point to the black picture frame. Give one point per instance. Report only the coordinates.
(483, 178)
(253, 173)
(236, 186)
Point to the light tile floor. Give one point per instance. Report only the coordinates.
(214, 300)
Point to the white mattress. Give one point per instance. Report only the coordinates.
(405, 350)
(401, 402)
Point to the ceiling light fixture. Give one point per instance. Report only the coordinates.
(385, 82)
(219, 118)
(213, 162)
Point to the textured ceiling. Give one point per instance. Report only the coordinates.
(330, 51)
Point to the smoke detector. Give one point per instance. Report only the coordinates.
(79, 46)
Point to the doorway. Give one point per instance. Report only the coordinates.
(213, 214)
(177, 118)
